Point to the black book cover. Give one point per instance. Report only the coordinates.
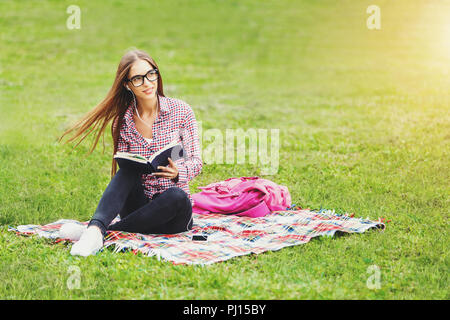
(173, 150)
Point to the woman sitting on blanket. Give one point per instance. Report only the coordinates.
(143, 122)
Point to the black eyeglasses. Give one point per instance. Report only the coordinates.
(138, 80)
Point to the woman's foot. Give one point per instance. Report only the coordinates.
(71, 231)
(90, 242)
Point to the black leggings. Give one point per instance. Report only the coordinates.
(168, 212)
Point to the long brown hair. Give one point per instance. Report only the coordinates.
(113, 106)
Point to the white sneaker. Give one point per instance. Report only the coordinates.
(90, 243)
(71, 231)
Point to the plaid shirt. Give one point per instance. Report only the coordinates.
(176, 120)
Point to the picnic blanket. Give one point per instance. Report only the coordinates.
(228, 235)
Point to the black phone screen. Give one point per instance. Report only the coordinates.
(199, 237)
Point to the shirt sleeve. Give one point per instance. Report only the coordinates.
(122, 146)
(191, 164)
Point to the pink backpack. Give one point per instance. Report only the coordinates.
(244, 196)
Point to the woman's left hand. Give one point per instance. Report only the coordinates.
(169, 172)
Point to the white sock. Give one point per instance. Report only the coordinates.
(90, 242)
(71, 231)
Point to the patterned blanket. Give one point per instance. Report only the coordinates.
(228, 236)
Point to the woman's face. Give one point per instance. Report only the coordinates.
(141, 86)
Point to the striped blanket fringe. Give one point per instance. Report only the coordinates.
(228, 235)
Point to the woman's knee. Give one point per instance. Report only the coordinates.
(180, 199)
(177, 194)
(183, 220)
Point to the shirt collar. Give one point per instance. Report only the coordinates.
(163, 105)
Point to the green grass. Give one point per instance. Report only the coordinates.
(364, 128)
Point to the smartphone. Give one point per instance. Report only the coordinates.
(199, 237)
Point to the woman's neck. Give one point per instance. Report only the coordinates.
(148, 107)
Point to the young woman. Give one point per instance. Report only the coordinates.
(143, 122)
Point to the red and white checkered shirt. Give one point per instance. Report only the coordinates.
(176, 120)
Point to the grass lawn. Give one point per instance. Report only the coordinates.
(364, 128)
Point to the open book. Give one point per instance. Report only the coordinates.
(173, 150)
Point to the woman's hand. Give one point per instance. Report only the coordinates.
(169, 172)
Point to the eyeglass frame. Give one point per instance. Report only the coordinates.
(156, 71)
